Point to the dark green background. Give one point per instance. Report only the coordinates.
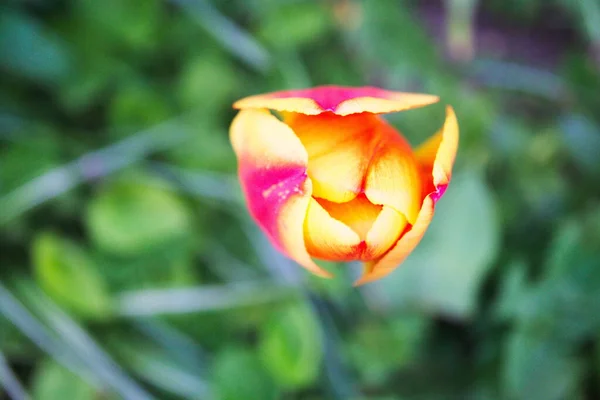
(130, 268)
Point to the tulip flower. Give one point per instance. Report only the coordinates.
(327, 178)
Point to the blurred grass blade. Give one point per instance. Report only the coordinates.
(9, 381)
(338, 380)
(179, 345)
(237, 41)
(185, 361)
(162, 371)
(84, 346)
(525, 79)
(205, 298)
(29, 326)
(278, 266)
(90, 166)
(237, 270)
(206, 184)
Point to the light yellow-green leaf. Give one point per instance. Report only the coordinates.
(291, 347)
(54, 382)
(128, 219)
(67, 274)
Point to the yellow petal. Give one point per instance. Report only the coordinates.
(291, 104)
(272, 171)
(395, 102)
(438, 153)
(393, 178)
(262, 140)
(384, 232)
(290, 231)
(378, 269)
(327, 238)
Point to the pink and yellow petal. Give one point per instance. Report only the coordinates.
(340, 100)
(272, 169)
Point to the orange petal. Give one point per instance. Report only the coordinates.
(272, 170)
(328, 238)
(339, 151)
(340, 100)
(394, 178)
(436, 156)
(377, 269)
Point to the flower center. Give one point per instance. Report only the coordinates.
(358, 214)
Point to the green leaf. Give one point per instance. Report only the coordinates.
(137, 106)
(379, 350)
(68, 275)
(12, 342)
(513, 287)
(584, 81)
(555, 319)
(598, 362)
(54, 382)
(537, 369)
(291, 347)
(134, 23)
(445, 271)
(388, 32)
(208, 147)
(295, 25)
(565, 304)
(168, 268)
(128, 219)
(208, 81)
(28, 158)
(29, 50)
(565, 246)
(581, 139)
(238, 374)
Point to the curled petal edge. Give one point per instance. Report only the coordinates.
(339, 100)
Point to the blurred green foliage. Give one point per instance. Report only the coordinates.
(130, 269)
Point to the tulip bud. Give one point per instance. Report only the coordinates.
(334, 181)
